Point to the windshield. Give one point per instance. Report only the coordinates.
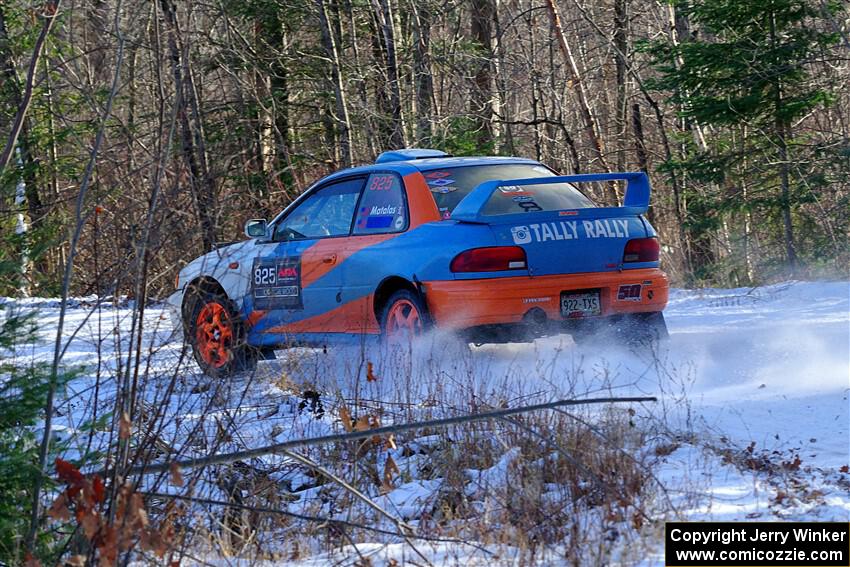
(451, 184)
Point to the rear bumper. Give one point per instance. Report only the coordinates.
(461, 304)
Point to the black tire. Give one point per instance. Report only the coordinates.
(633, 330)
(218, 338)
(403, 300)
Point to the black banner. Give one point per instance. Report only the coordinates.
(757, 544)
(277, 283)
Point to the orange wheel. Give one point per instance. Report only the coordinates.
(214, 335)
(218, 337)
(404, 316)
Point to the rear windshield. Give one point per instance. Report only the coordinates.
(451, 184)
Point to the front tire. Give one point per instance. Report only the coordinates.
(218, 338)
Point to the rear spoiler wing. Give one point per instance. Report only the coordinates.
(636, 202)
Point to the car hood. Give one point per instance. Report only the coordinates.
(215, 262)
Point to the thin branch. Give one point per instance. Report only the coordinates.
(50, 13)
(280, 447)
(307, 518)
(66, 283)
(399, 523)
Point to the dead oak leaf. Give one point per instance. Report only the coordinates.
(176, 477)
(124, 426)
(345, 417)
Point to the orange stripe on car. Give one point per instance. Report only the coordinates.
(327, 254)
(355, 316)
(255, 316)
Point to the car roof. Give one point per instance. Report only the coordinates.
(427, 164)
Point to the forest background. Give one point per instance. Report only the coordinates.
(135, 136)
(142, 134)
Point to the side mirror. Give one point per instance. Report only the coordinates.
(256, 228)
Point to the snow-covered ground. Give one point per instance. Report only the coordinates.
(771, 367)
(753, 399)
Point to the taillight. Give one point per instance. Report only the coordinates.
(492, 259)
(641, 250)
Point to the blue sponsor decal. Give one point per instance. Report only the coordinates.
(382, 221)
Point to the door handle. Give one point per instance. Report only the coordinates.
(331, 259)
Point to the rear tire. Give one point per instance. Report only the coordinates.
(218, 337)
(403, 317)
(631, 330)
(642, 329)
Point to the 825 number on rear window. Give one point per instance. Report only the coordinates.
(265, 275)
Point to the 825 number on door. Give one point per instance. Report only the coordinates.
(265, 275)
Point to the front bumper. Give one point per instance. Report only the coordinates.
(462, 304)
(173, 306)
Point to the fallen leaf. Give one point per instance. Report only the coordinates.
(98, 490)
(59, 509)
(176, 477)
(136, 510)
(108, 547)
(124, 426)
(67, 472)
(390, 469)
(90, 523)
(346, 418)
(362, 423)
(390, 442)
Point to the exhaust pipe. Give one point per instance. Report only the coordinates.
(536, 322)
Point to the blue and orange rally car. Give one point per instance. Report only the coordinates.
(497, 249)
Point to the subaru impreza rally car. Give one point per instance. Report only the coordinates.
(496, 249)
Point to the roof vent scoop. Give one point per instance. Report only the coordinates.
(409, 154)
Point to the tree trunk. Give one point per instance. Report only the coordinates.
(696, 244)
(25, 161)
(621, 41)
(424, 82)
(279, 91)
(203, 198)
(640, 150)
(331, 50)
(574, 78)
(781, 132)
(361, 82)
(483, 13)
(26, 96)
(384, 13)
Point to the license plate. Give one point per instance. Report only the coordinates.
(583, 304)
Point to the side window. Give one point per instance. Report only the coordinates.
(382, 208)
(327, 212)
